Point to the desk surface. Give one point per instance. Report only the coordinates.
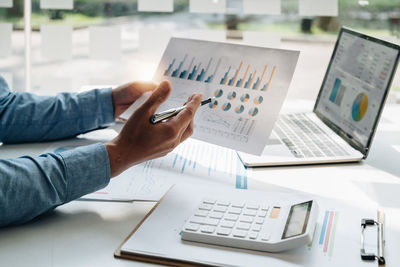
(83, 233)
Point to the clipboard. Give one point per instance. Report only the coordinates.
(139, 244)
(151, 259)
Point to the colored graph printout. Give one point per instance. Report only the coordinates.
(249, 84)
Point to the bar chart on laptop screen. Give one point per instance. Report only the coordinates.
(248, 84)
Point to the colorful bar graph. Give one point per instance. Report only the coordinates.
(167, 72)
(244, 77)
(233, 80)
(323, 229)
(328, 231)
(335, 90)
(270, 78)
(203, 72)
(211, 77)
(262, 77)
(250, 80)
(177, 71)
(184, 73)
(194, 72)
(332, 242)
(225, 78)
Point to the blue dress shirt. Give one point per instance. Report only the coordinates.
(30, 186)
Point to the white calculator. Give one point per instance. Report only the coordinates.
(271, 227)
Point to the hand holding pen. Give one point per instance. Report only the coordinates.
(140, 140)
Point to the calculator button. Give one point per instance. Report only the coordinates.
(253, 235)
(213, 222)
(231, 217)
(256, 228)
(205, 207)
(220, 208)
(262, 213)
(223, 231)
(247, 219)
(239, 233)
(209, 201)
(259, 220)
(201, 213)
(250, 212)
(243, 226)
(235, 210)
(195, 219)
(265, 236)
(252, 206)
(207, 229)
(227, 224)
(237, 204)
(216, 215)
(223, 203)
(192, 227)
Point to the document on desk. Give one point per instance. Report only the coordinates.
(193, 162)
(249, 85)
(336, 240)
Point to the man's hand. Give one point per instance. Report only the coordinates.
(140, 140)
(124, 95)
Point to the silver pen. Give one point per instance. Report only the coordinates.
(158, 117)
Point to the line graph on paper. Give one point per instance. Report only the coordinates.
(248, 84)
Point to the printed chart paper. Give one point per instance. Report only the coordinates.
(207, 6)
(260, 7)
(56, 4)
(193, 162)
(56, 41)
(249, 83)
(318, 7)
(6, 3)
(105, 42)
(156, 5)
(5, 39)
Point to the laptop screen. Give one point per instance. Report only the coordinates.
(355, 86)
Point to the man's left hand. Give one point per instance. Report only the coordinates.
(124, 95)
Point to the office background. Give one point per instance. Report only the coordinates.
(99, 42)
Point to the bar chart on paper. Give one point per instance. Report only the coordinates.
(324, 237)
(249, 85)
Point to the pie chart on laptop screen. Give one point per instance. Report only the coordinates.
(360, 106)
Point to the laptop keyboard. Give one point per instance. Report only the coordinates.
(305, 139)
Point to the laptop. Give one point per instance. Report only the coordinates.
(346, 112)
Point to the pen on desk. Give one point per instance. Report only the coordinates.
(158, 117)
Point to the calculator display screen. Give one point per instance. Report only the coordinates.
(297, 220)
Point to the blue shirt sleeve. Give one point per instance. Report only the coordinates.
(31, 186)
(26, 117)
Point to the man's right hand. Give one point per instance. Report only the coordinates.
(141, 140)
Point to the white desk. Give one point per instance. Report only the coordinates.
(87, 233)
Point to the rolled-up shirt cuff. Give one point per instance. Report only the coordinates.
(96, 107)
(87, 169)
(105, 102)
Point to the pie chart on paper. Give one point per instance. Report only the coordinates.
(360, 106)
